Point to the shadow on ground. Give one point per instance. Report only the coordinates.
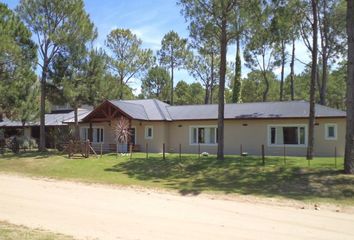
(246, 176)
(34, 154)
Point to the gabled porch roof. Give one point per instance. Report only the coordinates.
(106, 111)
(144, 110)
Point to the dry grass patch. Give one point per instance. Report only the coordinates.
(15, 232)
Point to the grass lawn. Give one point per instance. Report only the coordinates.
(320, 182)
(15, 232)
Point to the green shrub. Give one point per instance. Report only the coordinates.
(13, 144)
(33, 143)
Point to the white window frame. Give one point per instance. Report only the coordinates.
(147, 131)
(202, 126)
(327, 125)
(269, 135)
(93, 129)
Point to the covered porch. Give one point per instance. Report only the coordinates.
(99, 128)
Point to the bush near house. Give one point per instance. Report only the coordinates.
(17, 143)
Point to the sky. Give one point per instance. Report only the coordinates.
(150, 20)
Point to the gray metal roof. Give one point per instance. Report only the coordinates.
(81, 113)
(144, 109)
(136, 111)
(155, 110)
(259, 110)
(9, 123)
(51, 119)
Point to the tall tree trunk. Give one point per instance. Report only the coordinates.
(324, 29)
(212, 79)
(42, 146)
(207, 91)
(121, 88)
(266, 90)
(349, 140)
(223, 52)
(265, 78)
(292, 72)
(323, 90)
(283, 56)
(171, 85)
(313, 81)
(237, 80)
(172, 68)
(77, 130)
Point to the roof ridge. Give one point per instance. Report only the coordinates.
(159, 109)
(137, 104)
(215, 104)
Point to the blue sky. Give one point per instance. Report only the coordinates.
(150, 20)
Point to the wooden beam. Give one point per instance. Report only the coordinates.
(114, 113)
(110, 111)
(104, 113)
(106, 109)
(100, 120)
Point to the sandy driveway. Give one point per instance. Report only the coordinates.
(94, 211)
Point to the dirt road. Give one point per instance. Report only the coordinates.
(94, 211)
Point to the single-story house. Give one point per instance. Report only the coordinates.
(276, 125)
(53, 120)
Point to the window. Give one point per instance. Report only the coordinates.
(203, 135)
(292, 135)
(331, 131)
(97, 134)
(133, 135)
(149, 133)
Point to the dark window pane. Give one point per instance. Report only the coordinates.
(331, 132)
(290, 135)
(272, 135)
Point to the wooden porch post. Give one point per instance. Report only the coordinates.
(129, 136)
(90, 132)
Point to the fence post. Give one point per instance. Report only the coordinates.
(198, 150)
(241, 150)
(263, 158)
(163, 151)
(101, 149)
(284, 155)
(117, 146)
(70, 148)
(131, 151)
(180, 152)
(147, 151)
(335, 156)
(88, 148)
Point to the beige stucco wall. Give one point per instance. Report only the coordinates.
(254, 135)
(251, 136)
(160, 134)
